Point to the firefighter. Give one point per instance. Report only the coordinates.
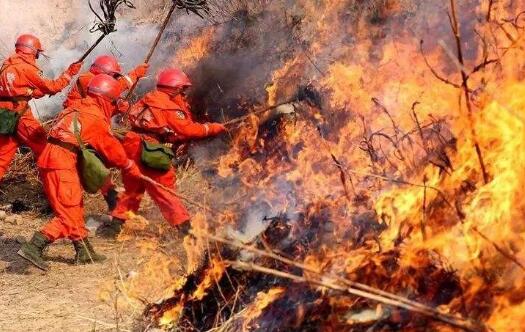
(162, 116)
(105, 64)
(86, 123)
(20, 81)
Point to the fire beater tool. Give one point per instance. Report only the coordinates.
(182, 197)
(197, 7)
(304, 93)
(106, 21)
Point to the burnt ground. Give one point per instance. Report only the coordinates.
(70, 297)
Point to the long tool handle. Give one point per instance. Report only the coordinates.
(154, 46)
(182, 197)
(244, 117)
(92, 48)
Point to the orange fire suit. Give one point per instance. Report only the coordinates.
(79, 90)
(20, 81)
(58, 164)
(158, 117)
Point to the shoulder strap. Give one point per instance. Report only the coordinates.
(77, 131)
(4, 68)
(144, 109)
(80, 89)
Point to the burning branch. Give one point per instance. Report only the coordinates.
(457, 36)
(433, 71)
(325, 281)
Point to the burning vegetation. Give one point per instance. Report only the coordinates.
(383, 189)
(385, 194)
(375, 180)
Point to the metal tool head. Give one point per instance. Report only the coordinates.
(198, 7)
(106, 21)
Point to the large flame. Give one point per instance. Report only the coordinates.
(394, 139)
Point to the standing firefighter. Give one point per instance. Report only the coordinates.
(105, 64)
(85, 124)
(20, 81)
(162, 116)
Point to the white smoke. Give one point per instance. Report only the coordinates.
(63, 27)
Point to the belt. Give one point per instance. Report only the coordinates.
(141, 131)
(68, 146)
(15, 99)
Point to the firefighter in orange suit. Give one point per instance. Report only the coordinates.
(105, 64)
(20, 81)
(88, 120)
(162, 116)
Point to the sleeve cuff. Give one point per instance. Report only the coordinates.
(129, 165)
(128, 80)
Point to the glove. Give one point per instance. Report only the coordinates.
(141, 70)
(123, 106)
(133, 171)
(216, 128)
(74, 69)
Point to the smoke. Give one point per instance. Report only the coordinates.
(63, 28)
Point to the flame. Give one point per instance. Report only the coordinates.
(170, 317)
(261, 302)
(212, 276)
(394, 143)
(449, 218)
(197, 48)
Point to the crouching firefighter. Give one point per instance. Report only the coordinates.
(81, 134)
(20, 81)
(105, 64)
(162, 116)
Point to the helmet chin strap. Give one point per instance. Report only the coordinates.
(172, 92)
(108, 106)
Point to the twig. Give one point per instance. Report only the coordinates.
(339, 165)
(489, 11)
(328, 283)
(506, 254)
(307, 268)
(424, 211)
(457, 36)
(433, 71)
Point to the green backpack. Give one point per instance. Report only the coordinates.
(8, 121)
(156, 156)
(94, 173)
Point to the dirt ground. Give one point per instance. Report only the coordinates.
(63, 299)
(78, 298)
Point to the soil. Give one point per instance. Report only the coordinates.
(69, 297)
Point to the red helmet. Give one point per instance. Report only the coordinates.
(105, 86)
(28, 44)
(173, 78)
(105, 64)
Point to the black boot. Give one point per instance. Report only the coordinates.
(184, 229)
(85, 253)
(111, 199)
(110, 229)
(33, 250)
